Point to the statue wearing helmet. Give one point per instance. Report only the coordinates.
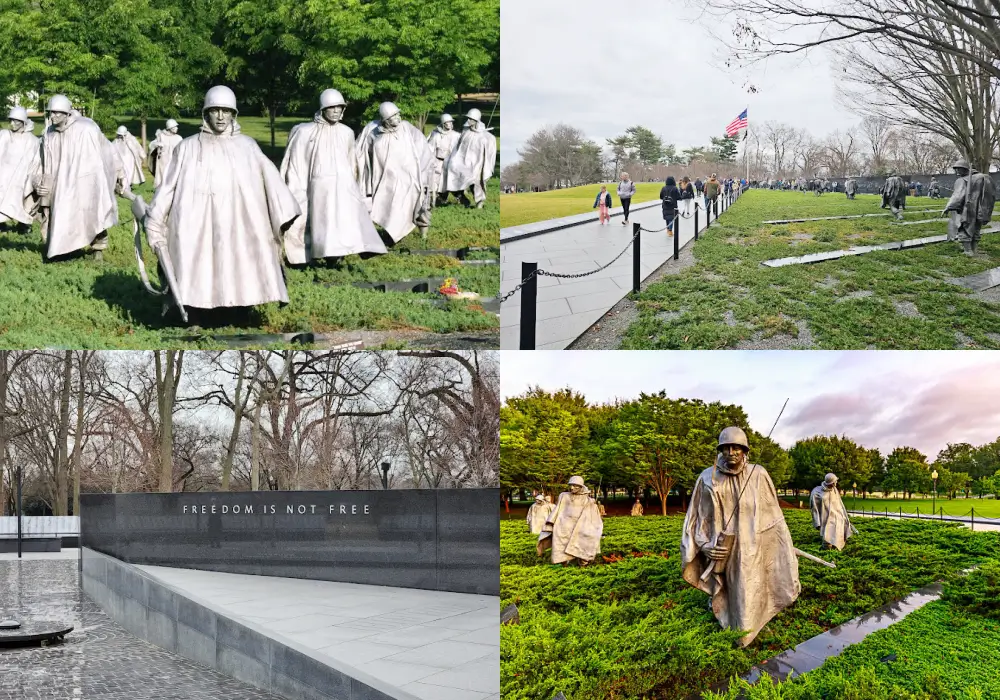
(442, 140)
(219, 214)
(131, 154)
(573, 529)
(894, 195)
(19, 161)
(321, 170)
(396, 171)
(161, 151)
(970, 206)
(829, 514)
(538, 513)
(736, 546)
(473, 161)
(76, 182)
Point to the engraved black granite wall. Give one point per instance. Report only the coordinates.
(447, 540)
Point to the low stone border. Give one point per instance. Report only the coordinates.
(517, 233)
(196, 630)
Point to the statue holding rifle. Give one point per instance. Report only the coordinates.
(735, 545)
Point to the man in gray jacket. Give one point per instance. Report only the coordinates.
(626, 188)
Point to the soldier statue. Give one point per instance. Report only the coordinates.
(894, 195)
(442, 141)
(573, 529)
(970, 206)
(538, 513)
(19, 159)
(161, 151)
(473, 160)
(829, 514)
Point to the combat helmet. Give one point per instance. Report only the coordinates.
(331, 98)
(733, 436)
(59, 103)
(220, 96)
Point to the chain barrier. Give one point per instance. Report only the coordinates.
(546, 273)
(517, 289)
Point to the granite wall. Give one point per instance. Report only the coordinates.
(447, 540)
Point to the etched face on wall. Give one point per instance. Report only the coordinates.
(334, 114)
(219, 119)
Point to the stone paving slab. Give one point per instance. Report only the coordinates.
(430, 644)
(99, 658)
(572, 249)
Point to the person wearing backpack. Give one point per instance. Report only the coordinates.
(604, 202)
(669, 196)
(971, 205)
(712, 188)
(626, 188)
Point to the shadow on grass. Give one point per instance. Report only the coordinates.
(22, 243)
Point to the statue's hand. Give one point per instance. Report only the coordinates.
(716, 553)
(41, 186)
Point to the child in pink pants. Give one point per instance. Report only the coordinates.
(604, 202)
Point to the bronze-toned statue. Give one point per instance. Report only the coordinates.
(538, 513)
(573, 529)
(829, 513)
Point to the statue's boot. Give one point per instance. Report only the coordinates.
(968, 249)
(480, 205)
(423, 232)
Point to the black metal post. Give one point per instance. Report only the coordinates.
(529, 298)
(385, 476)
(677, 235)
(636, 275)
(19, 534)
(696, 222)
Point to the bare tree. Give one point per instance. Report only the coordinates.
(168, 374)
(842, 152)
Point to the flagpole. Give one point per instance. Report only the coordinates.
(746, 146)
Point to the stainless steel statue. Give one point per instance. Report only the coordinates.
(829, 514)
(473, 160)
(19, 160)
(130, 152)
(637, 508)
(735, 545)
(396, 168)
(220, 214)
(442, 141)
(76, 182)
(573, 529)
(161, 151)
(894, 195)
(970, 206)
(538, 513)
(321, 170)
(850, 187)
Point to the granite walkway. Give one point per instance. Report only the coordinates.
(431, 645)
(568, 307)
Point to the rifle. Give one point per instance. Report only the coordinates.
(727, 539)
(162, 254)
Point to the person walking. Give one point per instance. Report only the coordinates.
(686, 197)
(669, 196)
(603, 201)
(626, 188)
(712, 188)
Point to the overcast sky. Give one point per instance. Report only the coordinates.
(880, 399)
(605, 66)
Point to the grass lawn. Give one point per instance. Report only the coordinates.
(628, 626)
(880, 300)
(529, 207)
(985, 507)
(84, 304)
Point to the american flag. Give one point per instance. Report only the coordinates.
(739, 123)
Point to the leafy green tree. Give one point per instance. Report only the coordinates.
(817, 456)
(647, 145)
(907, 471)
(950, 483)
(725, 148)
(416, 53)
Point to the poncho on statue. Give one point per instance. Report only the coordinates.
(221, 211)
(970, 206)
(161, 152)
(130, 151)
(894, 193)
(19, 161)
(82, 167)
(830, 515)
(442, 142)
(575, 529)
(472, 162)
(321, 170)
(396, 167)
(538, 514)
(761, 576)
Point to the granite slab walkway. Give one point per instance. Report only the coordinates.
(568, 307)
(431, 645)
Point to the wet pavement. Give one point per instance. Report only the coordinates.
(99, 658)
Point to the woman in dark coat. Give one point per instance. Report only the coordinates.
(669, 196)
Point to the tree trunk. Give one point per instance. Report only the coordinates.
(78, 434)
(4, 377)
(143, 130)
(168, 371)
(238, 405)
(61, 470)
(255, 448)
(270, 113)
